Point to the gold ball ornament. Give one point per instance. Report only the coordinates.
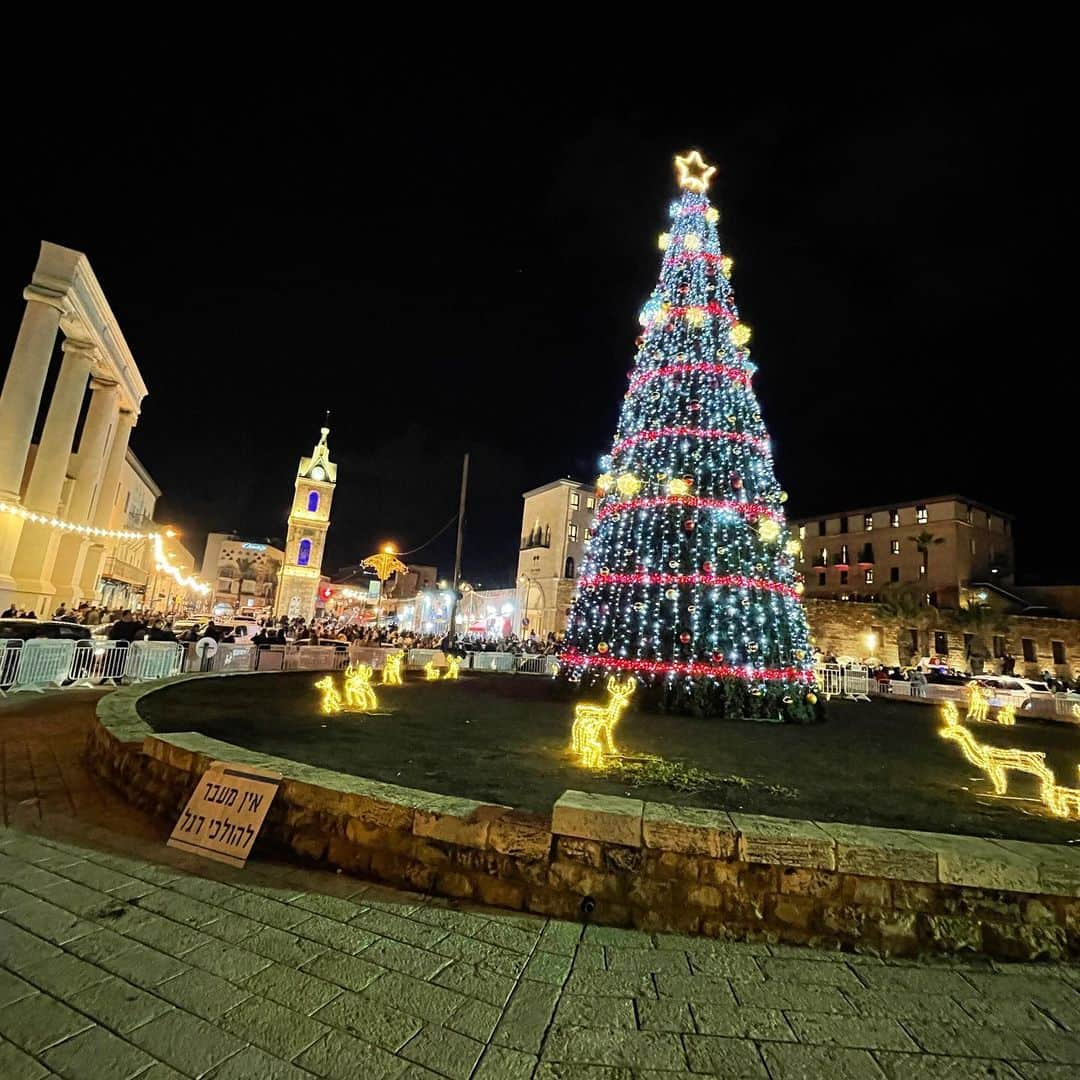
(800, 654)
(663, 240)
(678, 486)
(800, 588)
(727, 264)
(811, 698)
(793, 547)
(740, 333)
(628, 485)
(695, 317)
(602, 647)
(604, 482)
(691, 241)
(768, 530)
(712, 214)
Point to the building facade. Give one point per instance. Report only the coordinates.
(555, 526)
(244, 572)
(936, 546)
(309, 518)
(75, 470)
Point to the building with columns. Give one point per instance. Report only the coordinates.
(309, 518)
(555, 524)
(39, 565)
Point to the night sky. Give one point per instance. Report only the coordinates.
(457, 262)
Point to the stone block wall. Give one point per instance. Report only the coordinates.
(623, 862)
(840, 627)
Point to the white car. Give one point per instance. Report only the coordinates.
(1019, 692)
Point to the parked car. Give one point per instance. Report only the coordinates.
(241, 630)
(25, 629)
(1024, 693)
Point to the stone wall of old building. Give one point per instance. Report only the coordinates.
(842, 628)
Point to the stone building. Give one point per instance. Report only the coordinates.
(850, 555)
(862, 631)
(309, 518)
(555, 525)
(244, 572)
(63, 479)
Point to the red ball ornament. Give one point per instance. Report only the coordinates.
(736, 481)
(706, 568)
(688, 524)
(684, 637)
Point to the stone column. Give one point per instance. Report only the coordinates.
(38, 545)
(20, 400)
(110, 477)
(88, 465)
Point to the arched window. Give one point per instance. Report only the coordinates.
(569, 567)
(313, 502)
(303, 556)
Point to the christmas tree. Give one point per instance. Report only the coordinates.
(689, 578)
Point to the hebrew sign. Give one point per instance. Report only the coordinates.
(225, 812)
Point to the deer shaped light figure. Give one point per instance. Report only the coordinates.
(391, 672)
(331, 699)
(431, 672)
(594, 725)
(453, 666)
(978, 703)
(1006, 716)
(359, 693)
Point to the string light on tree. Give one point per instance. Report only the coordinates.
(689, 576)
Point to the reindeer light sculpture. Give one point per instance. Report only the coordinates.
(453, 666)
(391, 672)
(431, 672)
(331, 699)
(359, 693)
(978, 702)
(591, 735)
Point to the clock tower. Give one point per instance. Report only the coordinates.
(309, 519)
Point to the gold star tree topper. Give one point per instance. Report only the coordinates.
(694, 174)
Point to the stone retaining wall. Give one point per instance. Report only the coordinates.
(623, 862)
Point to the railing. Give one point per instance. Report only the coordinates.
(43, 662)
(95, 662)
(492, 661)
(10, 651)
(852, 681)
(154, 660)
(114, 569)
(537, 665)
(1067, 705)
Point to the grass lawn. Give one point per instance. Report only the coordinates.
(504, 739)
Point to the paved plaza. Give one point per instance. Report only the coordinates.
(120, 957)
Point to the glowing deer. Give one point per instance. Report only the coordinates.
(1006, 716)
(978, 702)
(431, 672)
(331, 699)
(594, 724)
(391, 672)
(453, 666)
(359, 693)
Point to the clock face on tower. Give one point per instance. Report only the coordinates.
(318, 473)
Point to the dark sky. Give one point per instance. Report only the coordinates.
(457, 262)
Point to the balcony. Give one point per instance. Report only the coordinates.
(114, 569)
(819, 562)
(538, 538)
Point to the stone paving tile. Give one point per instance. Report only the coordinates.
(426, 1001)
(1042, 990)
(915, 980)
(500, 960)
(95, 876)
(272, 1027)
(228, 961)
(905, 1006)
(803, 997)
(1044, 1070)
(143, 966)
(64, 975)
(856, 1032)
(605, 984)
(202, 993)
(665, 1015)
(589, 958)
(297, 989)
(96, 947)
(284, 947)
(476, 982)
(335, 934)
(742, 1022)
(559, 937)
(251, 1063)
(1054, 1046)
(204, 889)
(341, 1057)
(264, 910)
(613, 935)
(15, 1065)
(12, 988)
(527, 1016)
(970, 1040)
(476, 1019)
(119, 1005)
(499, 1063)
(597, 1012)
(79, 899)
(11, 896)
(38, 1022)
(162, 934)
(726, 966)
(365, 1019)
(97, 1054)
(446, 1052)
(548, 967)
(397, 956)
(388, 924)
(451, 920)
(809, 971)
(25, 876)
(724, 1057)
(622, 961)
(350, 972)
(932, 1067)
(180, 908)
(791, 1061)
(185, 1042)
(233, 928)
(1004, 1012)
(509, 937)
(636, 1049)
(49, 922)
(694, 988)
(332, 907)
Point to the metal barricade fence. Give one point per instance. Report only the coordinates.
(537, 665)
(93, 662)
(270, 658)
(492, 661)
(233, 657)
(1067, 705)
(43, 662)
(418, 658)
(315, 658)
(10, 652)
(372, 655)
(154, 660)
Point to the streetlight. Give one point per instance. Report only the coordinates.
(871, 642)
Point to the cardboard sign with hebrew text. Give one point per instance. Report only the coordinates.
(225, 812)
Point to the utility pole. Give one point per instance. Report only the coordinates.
(452, 629)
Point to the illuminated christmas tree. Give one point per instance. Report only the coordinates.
(689, 578)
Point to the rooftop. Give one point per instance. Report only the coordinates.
(802, 518)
